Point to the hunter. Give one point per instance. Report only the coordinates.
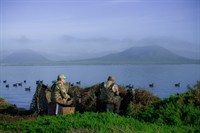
(108, 98)
(59, 95)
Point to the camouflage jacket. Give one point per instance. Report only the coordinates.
(112, 86)
(59, 93)
(108, 92)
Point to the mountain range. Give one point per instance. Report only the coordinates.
(135, 55)
(153, 54)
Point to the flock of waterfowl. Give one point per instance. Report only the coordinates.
(151, 85)
(20, 84)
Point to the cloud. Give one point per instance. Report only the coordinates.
(23, 40)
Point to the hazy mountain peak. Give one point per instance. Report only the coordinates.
(153, 54)
(25, 56)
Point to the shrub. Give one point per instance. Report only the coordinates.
(175, 110)
(139, 100)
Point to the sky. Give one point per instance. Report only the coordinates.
(78, 29)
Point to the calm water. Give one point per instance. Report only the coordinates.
(163, 76)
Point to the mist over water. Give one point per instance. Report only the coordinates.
(163, 76)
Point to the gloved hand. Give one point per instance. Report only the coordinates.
(69, 101)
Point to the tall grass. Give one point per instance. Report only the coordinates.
(90, 122)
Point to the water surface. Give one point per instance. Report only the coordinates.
(163, 76)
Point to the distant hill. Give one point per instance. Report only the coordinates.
(139, 55)
(135, 55)
(24, 57)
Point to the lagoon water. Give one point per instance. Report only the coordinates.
(163, 76)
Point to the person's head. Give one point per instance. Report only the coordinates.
(61, 77)
(111, 78)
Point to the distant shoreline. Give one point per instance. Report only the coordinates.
(100, 63)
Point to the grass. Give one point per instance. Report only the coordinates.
(90, 122)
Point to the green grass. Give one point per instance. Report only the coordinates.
(90, 122)
(2, 99)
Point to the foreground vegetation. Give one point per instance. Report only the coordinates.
(90, 122)
(180, 109)
(144, 113)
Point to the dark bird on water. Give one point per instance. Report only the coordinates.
(151, 85)
(7, 86)
(177, 85)
(28, 89)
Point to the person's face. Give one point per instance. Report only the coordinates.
(63, 80)
(112, 81)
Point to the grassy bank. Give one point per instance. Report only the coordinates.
(90, 122)
(179, 113)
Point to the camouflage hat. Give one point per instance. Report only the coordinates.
(61, 76)
(111, 78)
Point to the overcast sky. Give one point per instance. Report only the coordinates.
(72, 29)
